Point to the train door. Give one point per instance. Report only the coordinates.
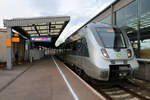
(78, 52)
(84, 53)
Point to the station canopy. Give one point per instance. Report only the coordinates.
(50, 26)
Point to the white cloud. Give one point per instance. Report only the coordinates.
(16, 8)
(80, 11)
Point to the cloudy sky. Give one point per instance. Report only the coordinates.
(80, 11)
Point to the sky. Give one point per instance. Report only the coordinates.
(80, 11)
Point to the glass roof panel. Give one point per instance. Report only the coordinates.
(58, 26)
(32, 32)
(43, 27)
(60, 22)
(34, 35)
(52, 22)
(56, 30)
(54, 34)
(44, 31)
(42, 24)
(27, 28)
(43, 35)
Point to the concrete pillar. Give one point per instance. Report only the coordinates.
(27, 50)
(9, 50)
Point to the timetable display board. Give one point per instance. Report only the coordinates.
(40, 39)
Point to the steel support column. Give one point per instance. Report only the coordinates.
(9, 50)
(138, 29)
(113, 16)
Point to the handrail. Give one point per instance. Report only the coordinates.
(143, 60)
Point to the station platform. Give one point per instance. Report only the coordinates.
(46, 79)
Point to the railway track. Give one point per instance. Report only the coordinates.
(124, 90)
(132, 89)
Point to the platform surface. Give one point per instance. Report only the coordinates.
(7, 76)
(43, 81)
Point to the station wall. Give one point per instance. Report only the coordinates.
(17, 48)
(2, 45)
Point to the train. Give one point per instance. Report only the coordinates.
(101, 51)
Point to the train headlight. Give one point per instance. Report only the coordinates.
(129, 53)
(104, 52)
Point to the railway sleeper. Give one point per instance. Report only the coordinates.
(133, 93)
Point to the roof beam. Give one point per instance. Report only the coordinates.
(49, 27)
(44, 33)
(42, 25)
(20, 30)
(50, 35)
(36, 29)
(46, 29)
(35, 20)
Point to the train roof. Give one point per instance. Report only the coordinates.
(76, 34)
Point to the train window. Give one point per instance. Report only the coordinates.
(78, 46)
(74, 46)
(84, 50)
(111, 39)
(119, 39)
(69, 48)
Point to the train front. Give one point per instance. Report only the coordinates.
(116, 60)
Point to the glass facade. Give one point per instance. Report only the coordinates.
(134, 19)
(111, 37)
(127, 19)
(107, 20)
(144, 16)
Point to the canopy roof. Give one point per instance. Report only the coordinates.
(39, 26)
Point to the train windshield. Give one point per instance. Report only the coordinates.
(111, 37)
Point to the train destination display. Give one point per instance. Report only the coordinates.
(40, 39)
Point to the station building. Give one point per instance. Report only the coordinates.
(2, 45)
(134, 17)
(18, 47)
(27, 38)
(131, 15)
